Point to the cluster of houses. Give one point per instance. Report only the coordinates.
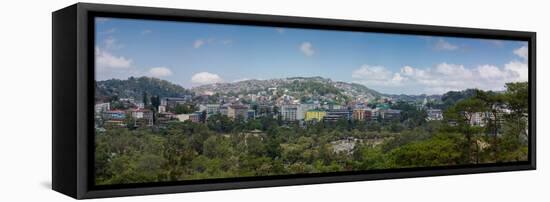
(289, 111)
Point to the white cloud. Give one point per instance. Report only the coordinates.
(441, 44)
(307, 48)
(105, 59)
(206, 78)
(372, 73)
(453, 70)
(198, 43)
(440, 78)
(407, 70)
(491, 72)
(280, 30)
(397, 78)
(160, 72)
(522, 52)
(376, 76)
(519, 69)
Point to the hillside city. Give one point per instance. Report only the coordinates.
(278, 103)
(296, 125)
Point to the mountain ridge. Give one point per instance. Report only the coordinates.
(324, 85)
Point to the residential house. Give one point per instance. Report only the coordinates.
(434, 115)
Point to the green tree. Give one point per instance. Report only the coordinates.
(461, 118)
(155, 102)
(440, 150)
(145, 99)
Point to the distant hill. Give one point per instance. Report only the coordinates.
(415, 98)
(312, 86)
(298, 87)
(134, 88)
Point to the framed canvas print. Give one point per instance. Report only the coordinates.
(154, 100)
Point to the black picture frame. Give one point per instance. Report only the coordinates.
(73, 98)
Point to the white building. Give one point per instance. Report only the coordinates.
(434, 115)
(101, 107)
(162, 108)
(479, 118)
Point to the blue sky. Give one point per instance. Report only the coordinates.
(192, 54)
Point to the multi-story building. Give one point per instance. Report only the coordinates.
(315, 115)
(101, 107)
(142, 117)
(375, 114)
(172, 102)
(130, 100)
(361, 114)
(193, 117)
(302, 110)
(111, 118)
(237, 110)
(264, 110)
(390, 114)
(113, 115)
(335, 115)
(165, 117)
(224, 109)
(434, 115)
(212, 109)
(289, 112)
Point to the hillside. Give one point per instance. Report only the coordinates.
(299, 86)
(135, 87)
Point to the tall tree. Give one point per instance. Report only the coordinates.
(462, 116)
(155, 102)
(145, 100)
(494, 103)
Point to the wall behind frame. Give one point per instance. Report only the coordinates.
(25, 135)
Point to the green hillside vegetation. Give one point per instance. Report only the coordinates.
(313, 87)
(136, 87)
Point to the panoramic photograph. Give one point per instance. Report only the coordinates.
(183, 101)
